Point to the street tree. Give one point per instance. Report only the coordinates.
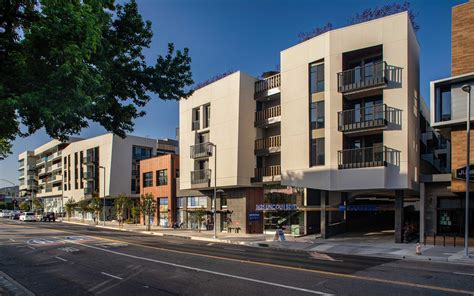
(70, 205)
(25, 206)
(200, 216)
(83, 208)
(37, 205)
(65, 64)
(96, 206)
(122, 203)
(147, 208)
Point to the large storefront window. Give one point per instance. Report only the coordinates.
(164, 212)
(281, 208)
(451, 216)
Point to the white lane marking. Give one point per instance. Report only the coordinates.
(62, 259)
(12, 240)
(31, 247)
(464, 273)
(205, 270)
(320, 256)
(111, 275)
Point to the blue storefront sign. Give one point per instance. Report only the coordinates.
(276, 207)
(359, 208)
(254, 216)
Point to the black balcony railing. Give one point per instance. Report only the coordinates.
(376, 116)
(368, 157)
(201, 150)
(200, 176)
(372, 75)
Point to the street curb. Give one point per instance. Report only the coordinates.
(262, 244)
(17, 290)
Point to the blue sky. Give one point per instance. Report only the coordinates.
(248, 35)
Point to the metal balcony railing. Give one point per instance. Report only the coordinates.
(195, 125)
(268, 144)
(267, 83)
(200, 176)
(376, 116)
(377, 74)
(201, 150)
(368, 157)
(270, 171)
(262, 116)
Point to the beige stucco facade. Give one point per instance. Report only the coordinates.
(230, 128)
(400, 48)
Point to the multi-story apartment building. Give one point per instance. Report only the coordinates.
(158, 177)
(41, 173)
(218, 121)
(105, 166)
(337, 127)
(443, 195)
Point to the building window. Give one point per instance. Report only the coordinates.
(196, 119)
(317, 115)
(163, 209)
(317, 152)
(223, 200)
(316, 78)
(207, 115)
(162, 177)
(181, 202)
(443, 103)
(197, 202)
(140, 153)
(147, 179)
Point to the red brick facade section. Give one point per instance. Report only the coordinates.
(462, 42)
(168, 162)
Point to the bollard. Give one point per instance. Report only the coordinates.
(434, 239)
(444, 240)
(455, 241)
(418, 249)
(424, 239)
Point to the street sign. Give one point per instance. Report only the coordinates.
(254, 216)
(460, 173)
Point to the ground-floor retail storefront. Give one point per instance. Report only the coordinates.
(443, 213)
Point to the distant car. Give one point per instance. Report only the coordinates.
(29, 216)
(48, 217)
(15, 215)
(5, 214)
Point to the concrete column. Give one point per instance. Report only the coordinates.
(324, 203)
(399, 219)
(422, 212)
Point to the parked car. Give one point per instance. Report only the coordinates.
(5, 214)
(48, 217)
(29, 216)
(15, 215)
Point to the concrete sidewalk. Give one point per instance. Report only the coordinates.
(375, 246)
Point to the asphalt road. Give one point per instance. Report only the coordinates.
(64, 259)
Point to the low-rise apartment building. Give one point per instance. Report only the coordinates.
(336, 129)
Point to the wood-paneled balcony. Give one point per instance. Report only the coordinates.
(268, 145)
(267, 87)
(268, 116)
(267, 174)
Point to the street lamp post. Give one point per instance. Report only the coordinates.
(103, 207)
(467, 89)
(215, 187)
